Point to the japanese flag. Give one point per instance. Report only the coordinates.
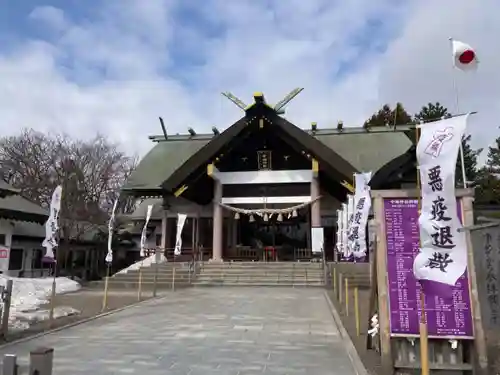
(464, 56)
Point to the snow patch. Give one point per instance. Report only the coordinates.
(146, 262)
(29, 294)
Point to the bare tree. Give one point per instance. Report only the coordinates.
(91, 173)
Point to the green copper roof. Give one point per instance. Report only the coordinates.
(163, 160)
(366, 151)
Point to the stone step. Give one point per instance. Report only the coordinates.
(135, 285)
(269, 279)
(148, 279)
(258, 271)
(261, 266)
(289, 270)
(260, 275)
(149, 273)
(243, 284)
(247, 277)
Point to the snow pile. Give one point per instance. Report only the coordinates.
(146, 262)
(29, 294)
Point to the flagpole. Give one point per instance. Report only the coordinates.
(424, 339)
(457, 109)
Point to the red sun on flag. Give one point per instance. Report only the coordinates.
(467, 56)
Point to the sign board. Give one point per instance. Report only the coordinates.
(4, 258)
(486, 245)
(317, 240)
(451, 317)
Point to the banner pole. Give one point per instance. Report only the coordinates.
(457, 109)
(173, 274)
(52, 296)
(139, 285)
(106, 285)
(424, 339)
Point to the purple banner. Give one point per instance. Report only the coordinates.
(446, 317)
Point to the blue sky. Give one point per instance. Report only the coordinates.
(114, 66)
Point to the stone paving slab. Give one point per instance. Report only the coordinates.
(216, 331)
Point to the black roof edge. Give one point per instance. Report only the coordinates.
(343, 169)
(207, 152)
(402, 163)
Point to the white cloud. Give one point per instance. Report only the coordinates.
(51, 16)
(114, 72)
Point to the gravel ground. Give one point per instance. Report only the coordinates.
(88, 302)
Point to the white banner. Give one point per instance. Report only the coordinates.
(345, 221)
(350, 217)
(145, 230)
(317, 239)
(443, 252)
(362, 181)
(339, 231)
(52, 224)
(111, 224)
(362, 211)
(181, 220)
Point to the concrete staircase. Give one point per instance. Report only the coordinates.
(357, 273)
(165, 278)
(296, 274)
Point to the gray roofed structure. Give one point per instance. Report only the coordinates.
(140, 212)
(31, 229)
(18, 203)
(365, 150)
(163, 160)
(7, 190)
(15, 207)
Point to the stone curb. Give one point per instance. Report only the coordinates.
(351, 350)
(74, 324)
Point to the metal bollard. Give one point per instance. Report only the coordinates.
(346, 296)
(157, 265)
(9, 365)
(41, 361)
(340, 287)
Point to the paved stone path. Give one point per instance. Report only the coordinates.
(212, 331)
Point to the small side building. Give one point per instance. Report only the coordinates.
(19, 254)
(22, 230)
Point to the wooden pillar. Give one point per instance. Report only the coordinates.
(229, 234)
(164, 231)
(315, 193)
(197, 234)
(234, 232)
(218, 221)
(193, 234)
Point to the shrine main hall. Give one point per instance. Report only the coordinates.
(262, 183)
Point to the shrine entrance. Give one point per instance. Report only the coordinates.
(272, 240)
